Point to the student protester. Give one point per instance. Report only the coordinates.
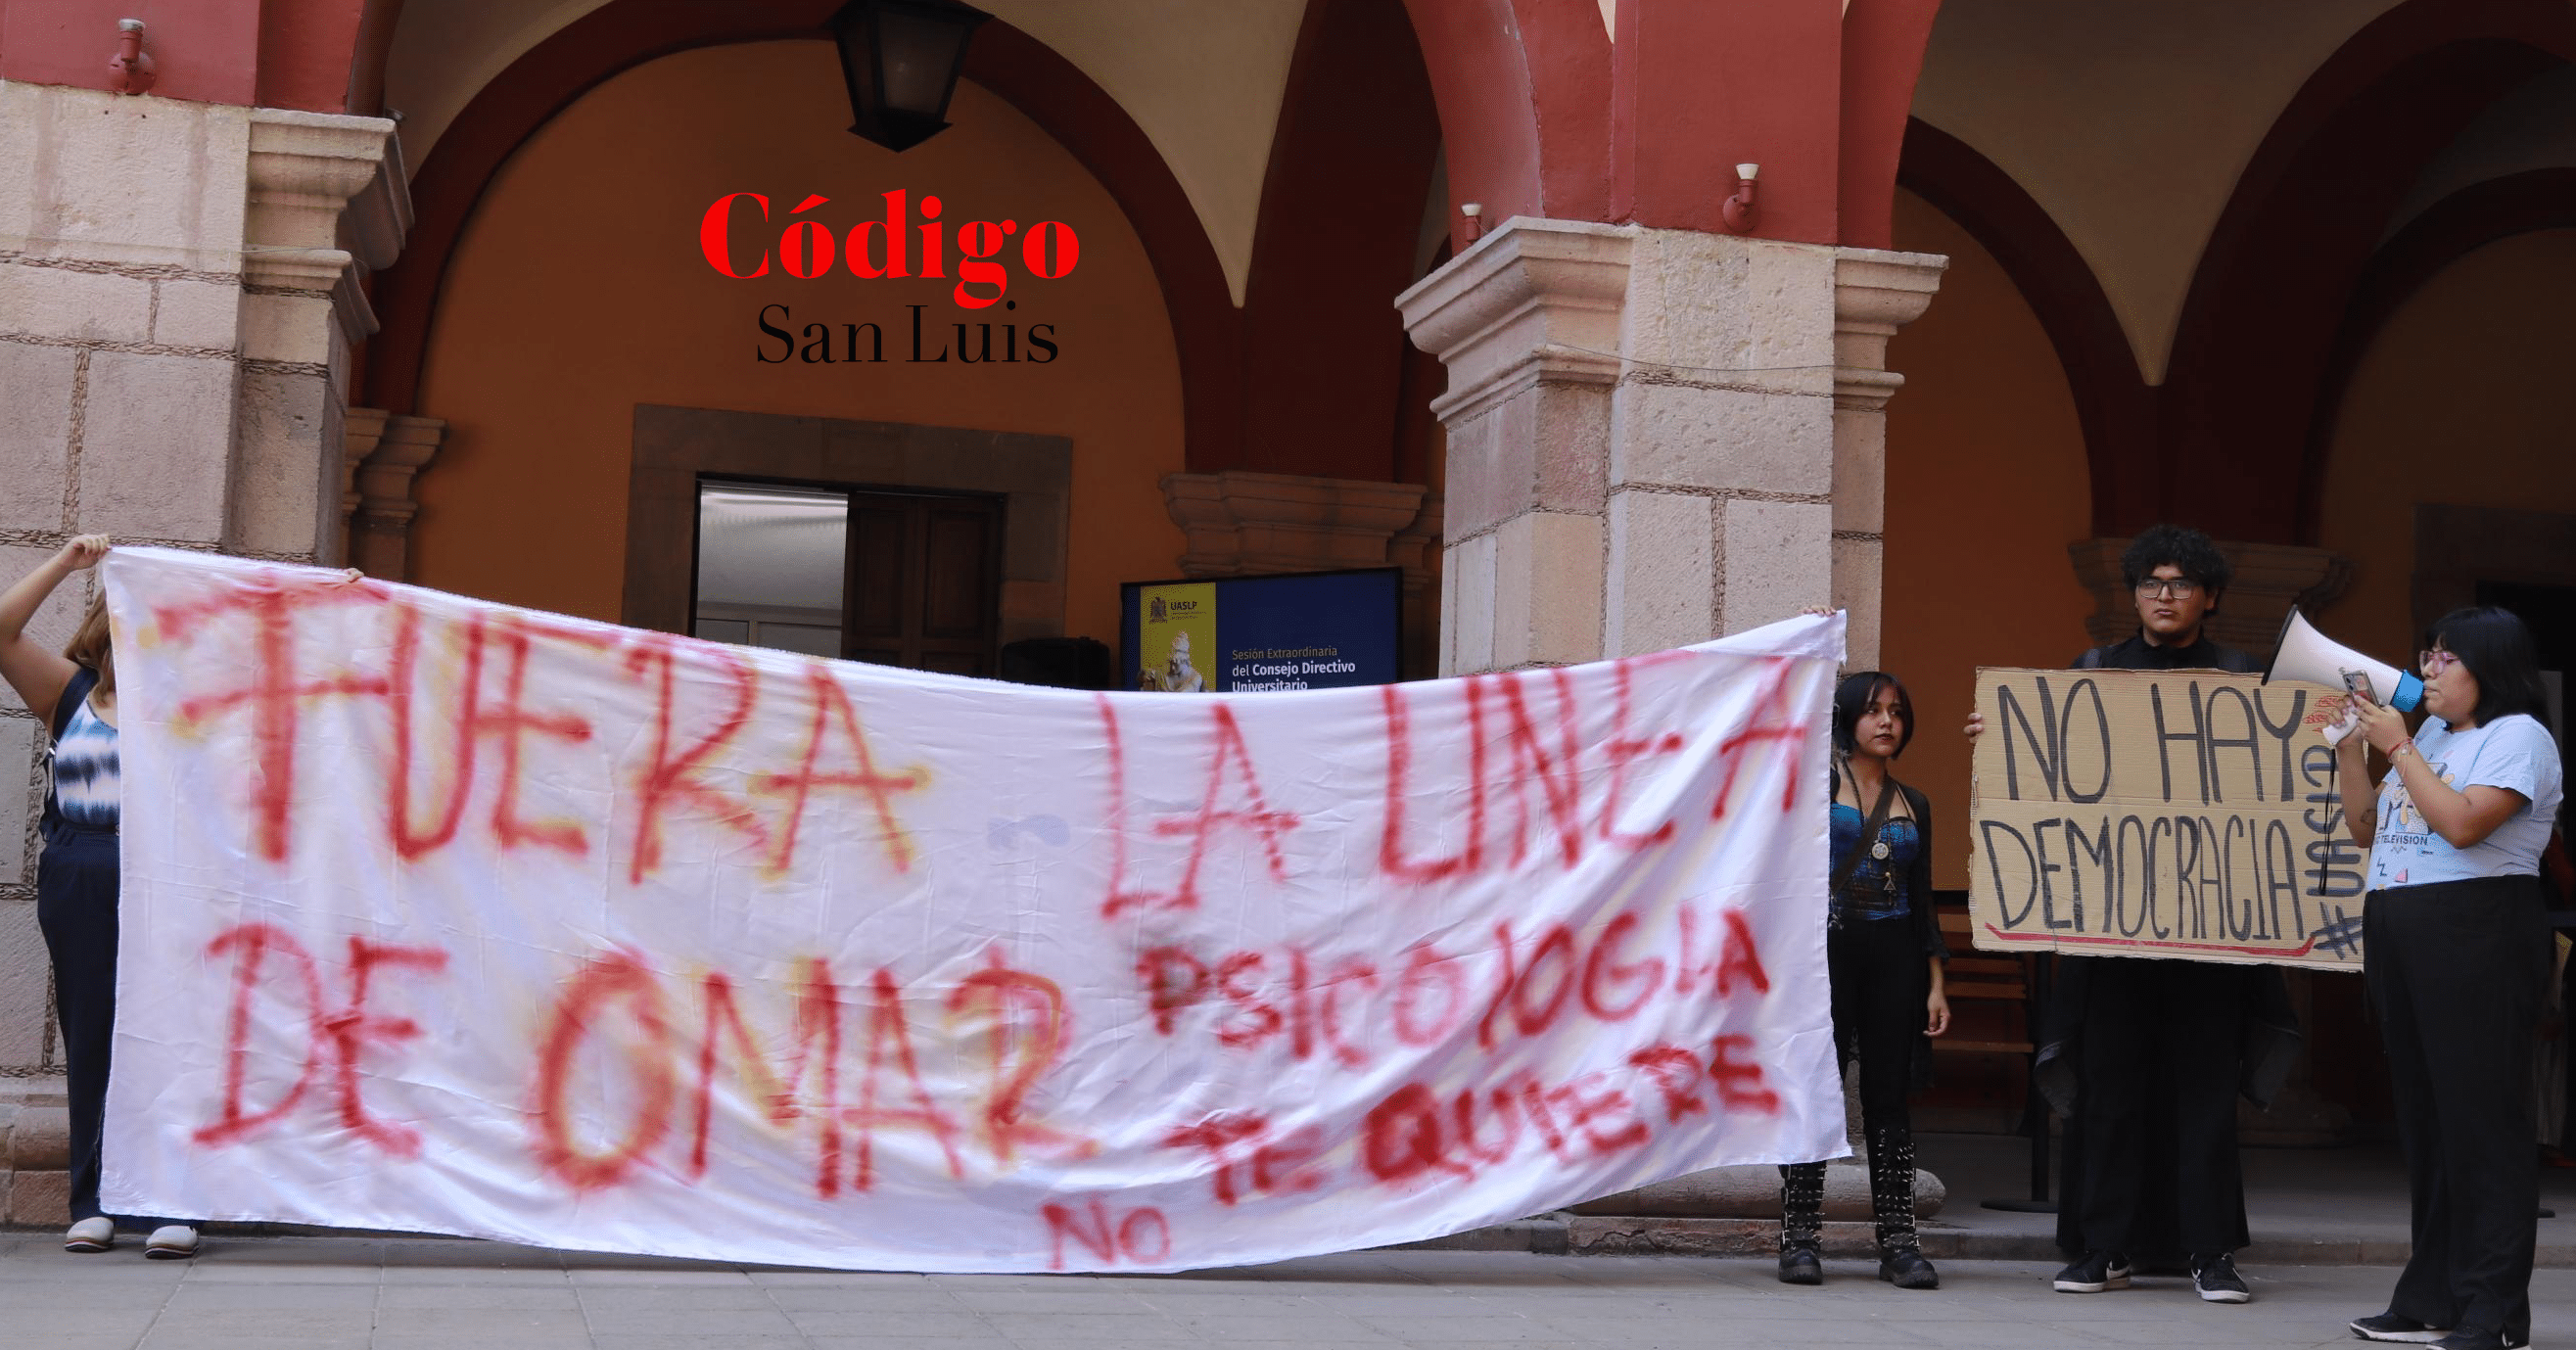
(2457, 955)
(74, 694)
(2145, 1057)
(1883, 950)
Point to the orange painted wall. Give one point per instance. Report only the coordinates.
(579, 291)
(2455, 402)
(1986, 486)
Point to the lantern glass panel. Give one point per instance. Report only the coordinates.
(918, 54)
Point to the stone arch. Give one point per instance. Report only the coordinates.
(2115, 407)
(2258, 339)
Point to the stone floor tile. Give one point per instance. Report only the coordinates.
(1278, 1327)
(454, 1252)
(672, 1277)
(278, 1272)
(671, 1341)
(534, 1277)
(1094, 1300)
(1089, 1328)
(605, 1323)
(35, 1322)
(982, 1340)
(697, 1296)
(497, 1326)
(1224, 1303)
(926, 1325)
(385, 1340)
(855, 1279)
(1437, 1329)
(183, 1338)
(394, 1299)
(862, 1300)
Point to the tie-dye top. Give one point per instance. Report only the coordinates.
(85, 773)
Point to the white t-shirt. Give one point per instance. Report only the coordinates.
(2514, 752)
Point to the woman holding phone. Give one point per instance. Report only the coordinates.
(2457, 957)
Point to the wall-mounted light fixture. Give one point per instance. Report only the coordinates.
(134, 72)
(900, 59)
(1740, 211)
(1475, 214)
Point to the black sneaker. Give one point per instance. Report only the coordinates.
(2481, 1340)
(1798, 1265)
(2216, 1279)
(2096, 1272)
(2391, 1327)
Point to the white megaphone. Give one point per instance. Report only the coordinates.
(2308, 656)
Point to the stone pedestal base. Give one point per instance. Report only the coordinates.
(35, 1150)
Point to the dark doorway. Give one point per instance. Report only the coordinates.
(898, 578)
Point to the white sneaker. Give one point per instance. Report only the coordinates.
(96, 1233)
(171, 1242)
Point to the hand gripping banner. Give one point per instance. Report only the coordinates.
(448, 917)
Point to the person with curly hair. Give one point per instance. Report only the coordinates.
(2145, 1058)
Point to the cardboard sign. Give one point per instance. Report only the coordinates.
(2187, 814)
(448, 917)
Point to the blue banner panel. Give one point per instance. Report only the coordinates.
(1305, 630)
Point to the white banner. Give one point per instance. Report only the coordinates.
(448, 917)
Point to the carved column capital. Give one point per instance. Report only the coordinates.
(327, 200)
(1535, 300)
(385, 453)
(1875, 293)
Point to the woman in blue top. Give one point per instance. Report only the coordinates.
(2457, 956)
(74, 694)
(1883, 950)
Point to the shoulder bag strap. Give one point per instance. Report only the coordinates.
(1868, 832)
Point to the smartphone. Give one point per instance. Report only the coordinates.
(2358, 682)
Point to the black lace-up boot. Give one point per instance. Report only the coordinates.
(1802, 1223)
(1891, 1202)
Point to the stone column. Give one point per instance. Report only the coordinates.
(1650, 432)
(327, 203)
(1875, 293)
(178, 292)
(384, 453)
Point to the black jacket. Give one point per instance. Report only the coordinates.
(2270, 1042)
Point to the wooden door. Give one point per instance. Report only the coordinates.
(924, 584)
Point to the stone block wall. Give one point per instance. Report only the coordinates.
(179, 289)
(1658, 436)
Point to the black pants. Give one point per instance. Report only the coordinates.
(76, 880)
(2456, 972)
(2162, 1041)
(1880, 981)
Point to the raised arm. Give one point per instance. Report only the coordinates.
(2360, 793)
(35, 671)
(2463, 818)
